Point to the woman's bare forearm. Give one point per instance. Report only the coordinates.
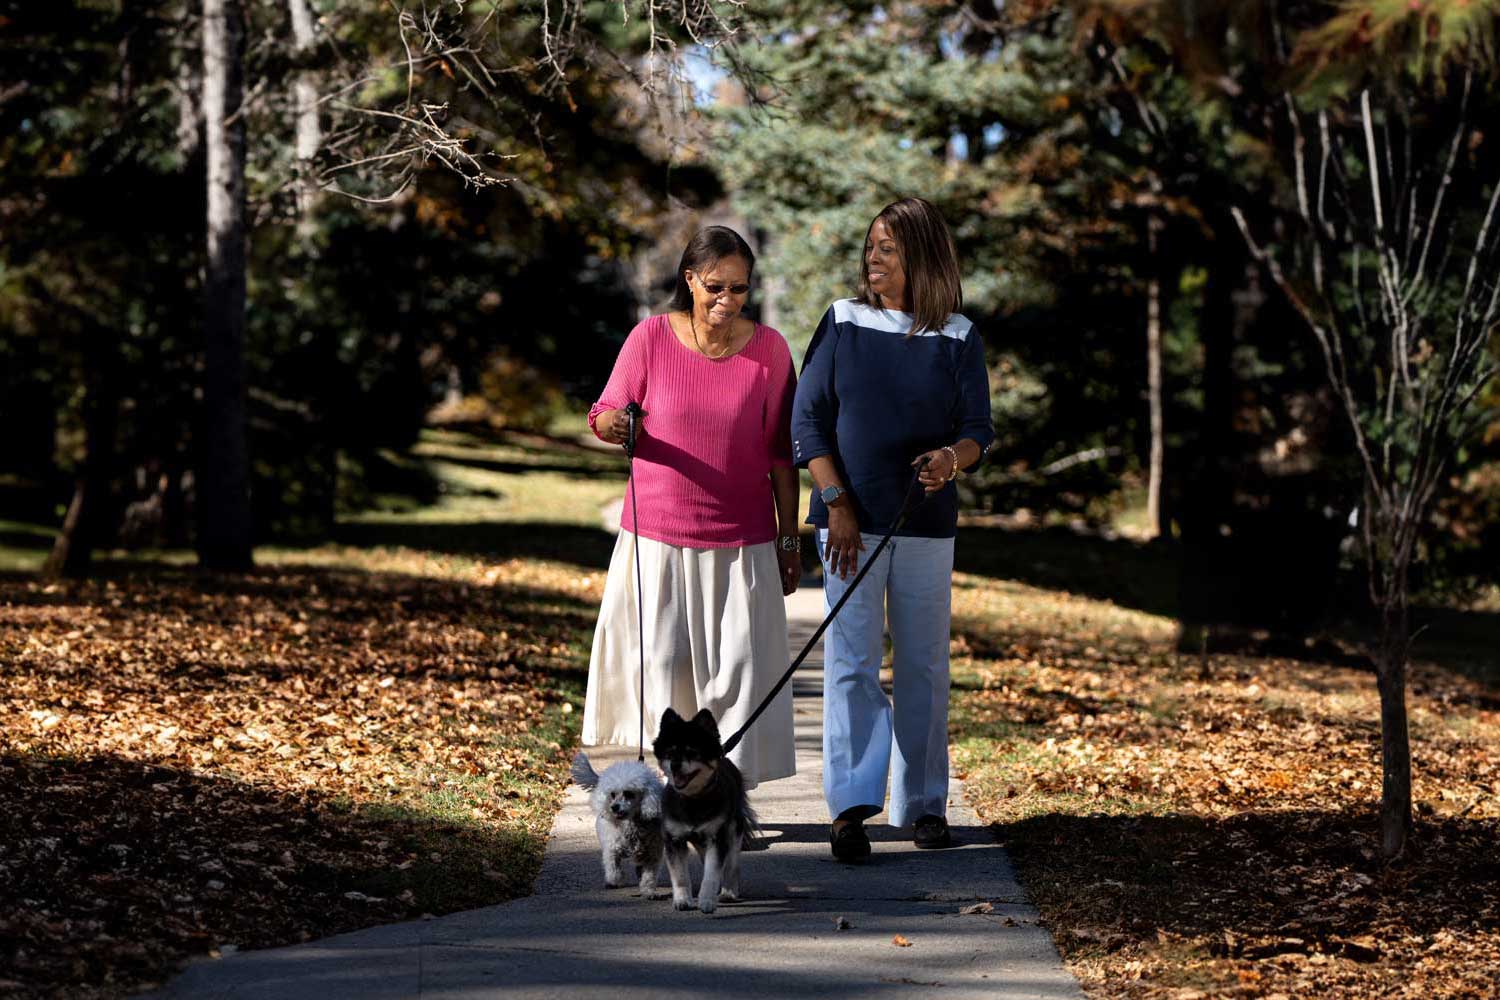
(824, 472)
(786, 491)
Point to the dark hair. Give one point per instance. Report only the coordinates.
(709, 246)
(929, 258)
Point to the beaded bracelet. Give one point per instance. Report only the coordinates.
(953, 455)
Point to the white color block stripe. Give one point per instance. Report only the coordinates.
(892, 321)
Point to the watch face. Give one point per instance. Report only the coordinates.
(831, 493)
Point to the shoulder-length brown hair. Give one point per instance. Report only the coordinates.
(929, 258)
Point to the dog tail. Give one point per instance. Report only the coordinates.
(749, 821)
(583, 772)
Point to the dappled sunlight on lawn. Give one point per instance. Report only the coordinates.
(351, 739)
(1193, 822)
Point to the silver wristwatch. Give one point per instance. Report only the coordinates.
(789, 543)
(831, 494)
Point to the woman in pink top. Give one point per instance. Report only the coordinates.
(717, 517)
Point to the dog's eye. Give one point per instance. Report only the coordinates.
(627, 795)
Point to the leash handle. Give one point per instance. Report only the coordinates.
(632, 416)
(907, 508)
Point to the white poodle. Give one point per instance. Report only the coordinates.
(626, 800)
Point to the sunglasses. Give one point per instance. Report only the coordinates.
(717, 289)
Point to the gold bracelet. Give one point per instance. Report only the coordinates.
(953, 455)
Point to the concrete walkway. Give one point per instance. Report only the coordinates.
(574, 938)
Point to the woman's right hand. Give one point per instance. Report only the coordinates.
(841, 553)
(614, 426)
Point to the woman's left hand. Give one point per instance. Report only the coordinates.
(791, 571)
(938, 471)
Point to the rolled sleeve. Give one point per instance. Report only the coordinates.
(975, 419)
(815, 406)
(627, 381)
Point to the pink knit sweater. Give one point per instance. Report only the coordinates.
(711, 434)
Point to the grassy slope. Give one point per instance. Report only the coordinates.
(1195, 827)
(354, 733)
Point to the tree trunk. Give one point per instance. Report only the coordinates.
(1395, 742)
(1153, 382)
(224, 517)
(1208, 576)
(322, 446)
(309, 129)
(70, 544)
(189, 105)
(88, 523)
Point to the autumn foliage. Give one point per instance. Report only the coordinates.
(1206, 826)
(196, 763)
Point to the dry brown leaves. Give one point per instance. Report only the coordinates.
(196, 763)
(1193, 828)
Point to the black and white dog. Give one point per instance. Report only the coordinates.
(703, 804)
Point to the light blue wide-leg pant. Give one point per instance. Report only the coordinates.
(866, 739)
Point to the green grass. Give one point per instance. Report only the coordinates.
(490, 498)
(24, 546)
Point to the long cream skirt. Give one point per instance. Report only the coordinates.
(715, 639)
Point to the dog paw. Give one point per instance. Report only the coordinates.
(682, 902)
(708, 904)
(728, 895)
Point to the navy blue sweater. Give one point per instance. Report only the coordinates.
(874, 399)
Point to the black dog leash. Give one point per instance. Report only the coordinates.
(632, 414)
(907, 508)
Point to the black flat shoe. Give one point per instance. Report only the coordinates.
(931, 833)
(850, 843)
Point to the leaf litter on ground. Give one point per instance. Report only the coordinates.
(194, 764)
(1209, 824)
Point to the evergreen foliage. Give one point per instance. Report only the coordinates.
(355, 331)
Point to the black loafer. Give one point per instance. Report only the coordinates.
(850, 843)
(931, 833)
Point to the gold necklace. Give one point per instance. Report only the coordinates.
(693, 326)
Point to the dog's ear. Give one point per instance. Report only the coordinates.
(669, 719)
(705, 720)
(651, 804)
(583, 772)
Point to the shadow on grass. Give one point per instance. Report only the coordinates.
(119, 869)
(1255, 884)
(595, 468)
(1146, 577)
(40, 539)
(1130, 574)
(1466, 642)
(496, 540)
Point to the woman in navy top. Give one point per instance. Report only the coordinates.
(892, 377)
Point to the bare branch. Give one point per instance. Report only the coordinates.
(1479, 247)
(1323, 170)
(1337, 374)
(405, 183)
(1437, 202)
(1371, 160)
